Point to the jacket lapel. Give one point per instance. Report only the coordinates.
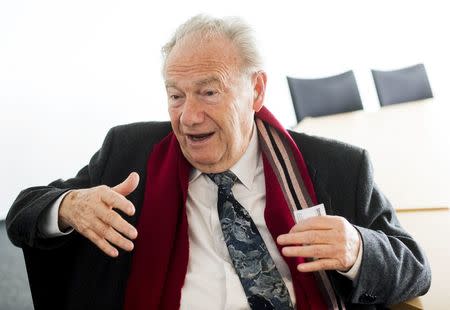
(322, 195)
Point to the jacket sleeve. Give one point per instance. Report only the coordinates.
(23, 216)
(393, 268)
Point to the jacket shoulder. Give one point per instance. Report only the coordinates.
(314, 148)
(333, 161)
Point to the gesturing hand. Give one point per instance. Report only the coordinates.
(331, 240)
(92, 213)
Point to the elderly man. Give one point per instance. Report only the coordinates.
(198, 213)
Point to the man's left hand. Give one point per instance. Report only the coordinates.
(331, 240)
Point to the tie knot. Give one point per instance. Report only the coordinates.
(224, 180)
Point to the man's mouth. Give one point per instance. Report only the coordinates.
(200, 137)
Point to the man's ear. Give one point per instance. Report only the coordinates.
(259, 89)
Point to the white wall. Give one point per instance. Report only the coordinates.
(69, 70)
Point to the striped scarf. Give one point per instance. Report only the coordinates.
(161, 252)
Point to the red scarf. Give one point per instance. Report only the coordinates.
(161, 250)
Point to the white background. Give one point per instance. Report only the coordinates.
(70, 70)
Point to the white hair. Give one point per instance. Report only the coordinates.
(233, 28)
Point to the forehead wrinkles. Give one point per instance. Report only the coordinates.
(198, 55)
(208, 70)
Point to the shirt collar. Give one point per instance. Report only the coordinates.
(245, 168)
(194, 175)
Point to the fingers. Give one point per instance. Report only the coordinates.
(101, 243)
(321, 264)
(114, 197)
(318, 223)
(309, 237)
(113, 219)
(117, 201)
(105, 236)
(110, 234)
(128, 186)
(324, 257)
(313, 251)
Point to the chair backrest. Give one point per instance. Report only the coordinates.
(14, 289)
(325, 96)
(397, 86)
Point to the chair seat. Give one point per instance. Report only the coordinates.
(325, 96)
(402, 85)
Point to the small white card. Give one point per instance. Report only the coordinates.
(309, 212)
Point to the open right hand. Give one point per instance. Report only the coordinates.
(91, 212)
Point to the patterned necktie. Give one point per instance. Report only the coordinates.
(259, 276)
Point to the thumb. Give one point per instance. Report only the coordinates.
(128, 186)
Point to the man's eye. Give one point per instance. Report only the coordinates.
(174, 97)
(210, 93)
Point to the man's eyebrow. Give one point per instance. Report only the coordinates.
(169, 84)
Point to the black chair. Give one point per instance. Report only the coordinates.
(325, 96)
(397, 86)
(14, 289)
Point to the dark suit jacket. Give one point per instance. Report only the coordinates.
(71, 273)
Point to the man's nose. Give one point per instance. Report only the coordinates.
(192, 113)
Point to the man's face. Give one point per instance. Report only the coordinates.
(211, 104)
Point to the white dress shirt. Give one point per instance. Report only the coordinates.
(211, 281)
